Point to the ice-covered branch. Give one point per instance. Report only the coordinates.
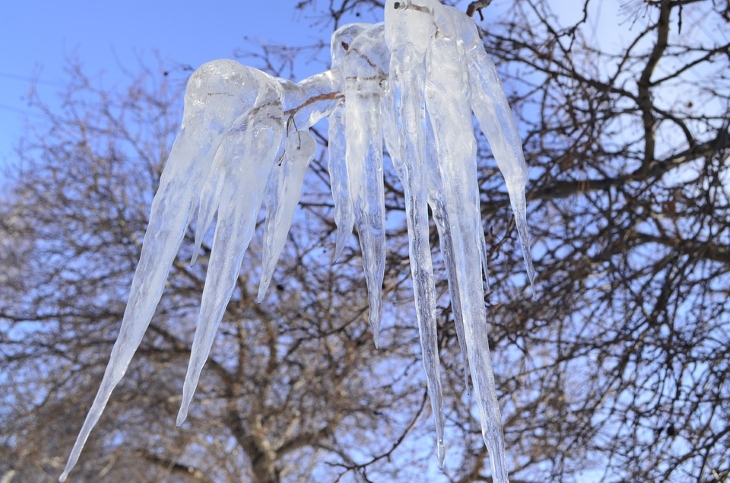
(412, 83)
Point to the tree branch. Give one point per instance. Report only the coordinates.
(175, 468)
(654, 169)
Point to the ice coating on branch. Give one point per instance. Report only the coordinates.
(206, 119)
(337, 145)
(310, 100)
(407, 30)
(246, 156)
(491, 108)
(282, 197)
(365, 70)
(412, 83)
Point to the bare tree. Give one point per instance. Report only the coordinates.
(294, 386)
(618, 370)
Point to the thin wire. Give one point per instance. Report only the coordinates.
(22, 78)
(22, 112)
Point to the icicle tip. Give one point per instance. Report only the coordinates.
(441, 452)
(182, 415)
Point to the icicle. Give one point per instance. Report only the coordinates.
(437, 202)
(390, 128)
(304, 104)
(407, 29)
(231, 138)
(491, 108)
(210, 198)
(339, 180)
(446, 86)
(344, 216)
(365, 70)
(282, 197)
(249, 152)
(205, 120)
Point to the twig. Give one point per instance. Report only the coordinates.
(477, 6)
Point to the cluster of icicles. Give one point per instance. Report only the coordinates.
(411, 83)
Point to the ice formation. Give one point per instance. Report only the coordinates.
(412, 84)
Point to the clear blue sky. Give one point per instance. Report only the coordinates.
(36, 36)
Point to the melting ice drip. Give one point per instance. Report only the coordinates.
(411, 83)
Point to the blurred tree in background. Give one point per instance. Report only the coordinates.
(617, 370)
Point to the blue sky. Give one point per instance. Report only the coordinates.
(36, 36)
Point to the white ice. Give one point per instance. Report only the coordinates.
(407, 31)
(412, 83)
(217, 94)
(282, 197)
(365, 70)
(491, 108)
(337, 144)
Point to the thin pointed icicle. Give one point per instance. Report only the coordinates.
(210, 198)
(491, 108)
(337, 167)
(437, 201)
(249, 152)
(344, 215)
(446, 85)
(407, 30)
(205, 119)
(365, 69)
(390, 127)
(282, 197)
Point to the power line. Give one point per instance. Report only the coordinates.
(35, 80)
(22, 112)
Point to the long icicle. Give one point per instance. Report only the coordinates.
(451, 119)
(406, 33)
(437, 201)
(246, 156)
(491, 108)
(282, 197)
(337, 166)
(203, 126)
(365, 68)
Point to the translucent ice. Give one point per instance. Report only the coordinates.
(447, 84)
(282, 197)
(310, 100)
(437, 202)
(339, 179)
(244, 161)
(412, 83)
(217, 94)
(408, 28)
(365, 70)
(491, 108)
(339, 183)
